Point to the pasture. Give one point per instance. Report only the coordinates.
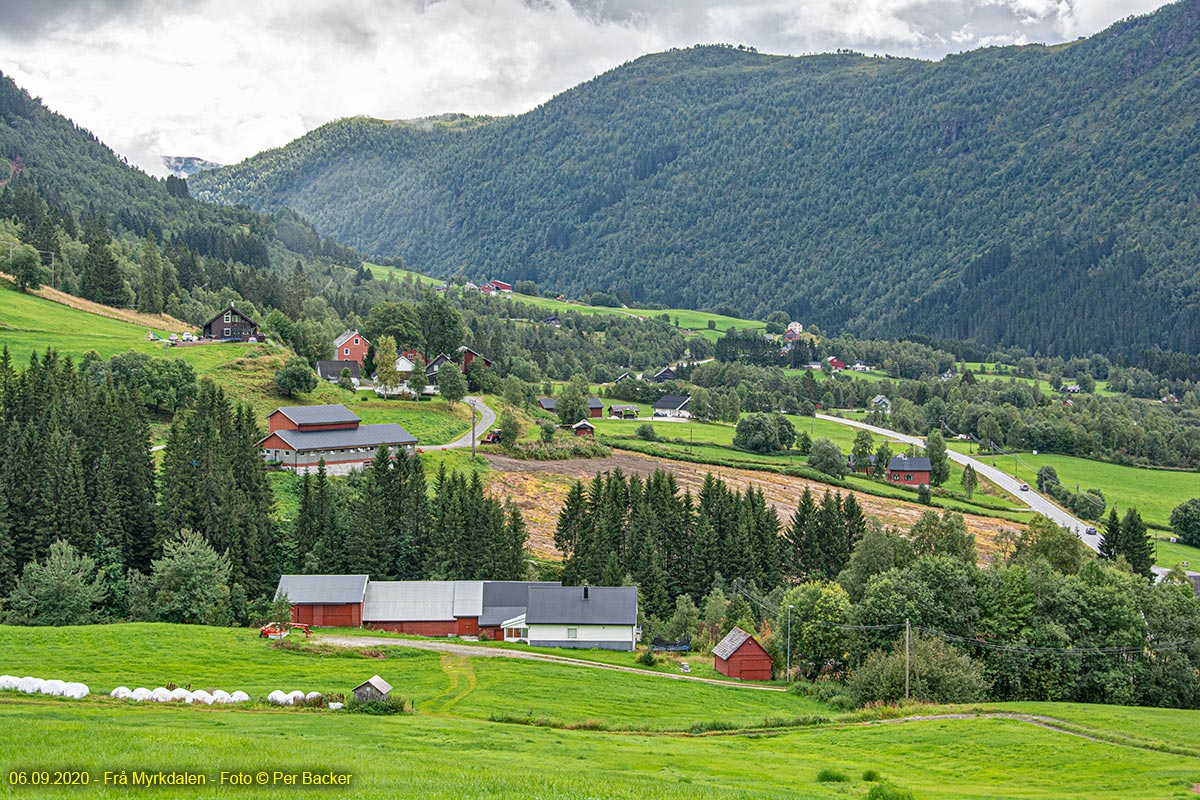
(453, 747)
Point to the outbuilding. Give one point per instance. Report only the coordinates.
(325, 601)
(424, 608)
(603, 617)
(739, 655)
(909, 471)
(373, 690)
(583, 428)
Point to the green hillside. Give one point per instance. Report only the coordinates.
(449, 748)
(1007, 195)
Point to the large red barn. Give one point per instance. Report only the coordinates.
(739, 655)
(325, 601)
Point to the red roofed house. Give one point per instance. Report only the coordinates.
(467, 355)
(350, 346)
(739, 655)
(836, 363)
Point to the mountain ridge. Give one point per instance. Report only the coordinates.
(880, 196)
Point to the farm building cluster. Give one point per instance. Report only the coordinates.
(299, 437)
(540, 613)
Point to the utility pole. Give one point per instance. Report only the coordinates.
(474, 410)
(789, 652)
(907, 647)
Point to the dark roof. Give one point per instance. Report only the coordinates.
(322, 589)
(622, 376)
(900, 464)
(548, 403)
(671, 402)
(731, 643)
(221, 314)
(606, 605)
(507, 599)
(432, 367)
(363, 436)
(664, 372)
(318, 415)
(594, 402)
(332, 370)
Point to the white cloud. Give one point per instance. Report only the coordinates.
(223, 79)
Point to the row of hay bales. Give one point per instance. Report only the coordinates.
(52, 687)
(164, 695)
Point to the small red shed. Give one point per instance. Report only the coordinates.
(739, 655)
(584, 428)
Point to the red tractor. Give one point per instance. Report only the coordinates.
(276, 630)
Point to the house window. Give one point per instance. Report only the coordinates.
(345, 351)
(907, 477)
(228, 317)
(895, 476)
(572, 633)
(227, 329)
(356, 340)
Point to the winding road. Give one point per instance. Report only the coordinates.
(487, 418)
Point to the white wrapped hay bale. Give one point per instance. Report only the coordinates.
(53, 687)
(239, 697)
(312, 697)
(9, 681)
(75, 690)
(181, 695)
(201, 696)
(30, 685)
(278, 698)
(335, 706)
(161, 695)
(141, 694)
(295, 697)
(120, 693)
(220, 696)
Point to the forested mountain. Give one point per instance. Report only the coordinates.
(1033, 196)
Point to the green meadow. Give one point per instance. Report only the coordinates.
(495, 728)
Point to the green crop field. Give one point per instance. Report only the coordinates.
(1153, 492)
(451, 747)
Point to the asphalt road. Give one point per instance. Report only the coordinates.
(487, 418)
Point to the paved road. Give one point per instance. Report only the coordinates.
(476, 651)
(487, 418)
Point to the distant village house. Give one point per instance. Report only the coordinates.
(231, 324)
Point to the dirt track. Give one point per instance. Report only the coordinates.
(540, 487)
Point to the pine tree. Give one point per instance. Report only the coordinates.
(831, 536)
(150, 295)
(102, 280)
(969, 480)
(939, 464)
(1135, 543)
(1110, 536)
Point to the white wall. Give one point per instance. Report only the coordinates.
(586, 633)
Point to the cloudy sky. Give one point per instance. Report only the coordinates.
(224, 79)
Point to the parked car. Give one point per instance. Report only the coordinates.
(252, 340)
(187, 337)
(1024, 487)
(1090, 531)
(173, 337)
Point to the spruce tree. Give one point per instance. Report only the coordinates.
(1110, 536)
(150, 295)
(939, 464)
(1135, 543)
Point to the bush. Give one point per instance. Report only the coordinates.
(870, 775)
(646, 431)
(827, 457)
(647, 658)
(1185, 521)
(828, 775)
(885, 791)
(295, 377)
(393, 705)
(940, 674)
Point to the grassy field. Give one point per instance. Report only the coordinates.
(381, 272)
(451, 748)
(1153, 492)
(1044, 380)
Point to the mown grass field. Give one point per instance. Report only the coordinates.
(976, 368)
(451, 747)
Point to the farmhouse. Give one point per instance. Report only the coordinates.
(466, 356)
(858, 366)
(880, 402)
(673, 406)
(504, 600)
(405, 365)
(301, 436)
(603, 617)
(231, 324)
(791, 336)
(431, 369)
(583, 428)
(739, 655)
(664, 374)
(332, 370)
(623, 412)
(351, 346)
(795, 327)
(909, 471)
(867, 467)
(325, 600)
(552, 320)
(548, 404)
(835, 363)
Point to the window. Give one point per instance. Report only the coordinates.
(572, 633)
(907, 477)
(345, 351)
(228, 317)
(227, 330)
(895, 476)
(355, 341)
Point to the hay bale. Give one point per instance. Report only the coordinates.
(141, 694)
(181, 695)
(53, 687)
(239, 697)
(9, 681)
(201, 696)
(76, 691)
(220, 696)
(335, 706)
(295, 698)
(278, 698)
(30, 685)
(161, 695)
(120, 693)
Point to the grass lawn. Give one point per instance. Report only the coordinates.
(450, 748)
(382, 272)
(1153, 492)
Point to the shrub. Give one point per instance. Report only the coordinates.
(827, 457)
(828, 775)
(945, 675)
(647, 658)
(393, 705)
(870, 775)
(646, 431)
(885, 791)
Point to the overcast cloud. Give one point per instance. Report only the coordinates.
(224, 79)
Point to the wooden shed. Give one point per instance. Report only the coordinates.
(375, 689)
(739, 655)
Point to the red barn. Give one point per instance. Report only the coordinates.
(351, 346)
(325, 600)
(909, 471)
(424, 608)
(836, 363)
(739, 655)
(502, 286)
(467, 356)
(583, 428)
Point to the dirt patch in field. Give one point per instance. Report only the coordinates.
(162, 322)
(539, 489)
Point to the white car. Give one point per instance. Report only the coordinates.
(187, 337)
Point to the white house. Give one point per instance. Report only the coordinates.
(404, 365)
(673, 406)
(795, 327)
(858, 366)
(881, 403)
(603, 617)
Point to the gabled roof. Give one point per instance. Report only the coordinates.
(432, 367)
(879, 399)
(332, 370)
(388, 433)
(583, 423)
(318, 415)
(912, 464)
(623, 376)
(595, 402)
(409, 601)
(672, 402)
(548, 403)
(665, 371)
(346, 336)
(229, 307)
(507, 599)
(322, 589)
(377, 683)
(468, 598)
(732, 642)
(605, 605)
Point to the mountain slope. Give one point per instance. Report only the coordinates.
(1033, 196)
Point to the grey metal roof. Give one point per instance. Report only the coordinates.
(363, 436)
(507, 599)
(332, 370)
(468, 598)
(548, 403)
(606, 605)
(595, 402)
(409, 601)
(914, 464)
(378, 683)
(345, 337)
(322, 589)
(672, 402)
(318, 415)
(730, 644)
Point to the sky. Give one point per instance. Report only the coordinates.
(225, 79)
